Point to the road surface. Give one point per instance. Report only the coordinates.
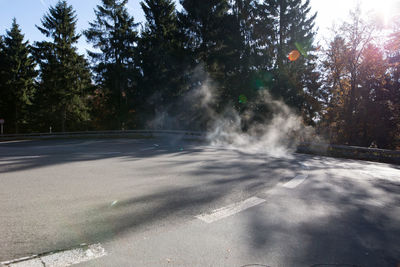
(171, 202)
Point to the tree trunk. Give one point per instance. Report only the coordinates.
(281, 26)
(350, 112)
(63, 118)
(16, 119)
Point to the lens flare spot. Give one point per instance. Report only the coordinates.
(294, 55)
(242, 99)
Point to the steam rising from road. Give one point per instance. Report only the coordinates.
(277, 132)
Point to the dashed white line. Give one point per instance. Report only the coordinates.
(15, 141)
(305, 166)
(229, 210)
(295, 181)
(148, 148)
(23, 157)
(60, 259)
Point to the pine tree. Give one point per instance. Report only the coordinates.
(18, 74)
(254, 64)
(3, 101)
(114, 34)
(64, 77)
(162, 55)
(297, 80)
(213, 36)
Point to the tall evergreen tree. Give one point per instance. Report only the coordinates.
(295, 64)
(162, 55)
(2, 79)
(65, 77)
(114, 34)
(213, 36)
(254, 65)
(17, 75)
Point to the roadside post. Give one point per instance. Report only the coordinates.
(1, 123)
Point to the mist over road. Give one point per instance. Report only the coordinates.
(174, 202)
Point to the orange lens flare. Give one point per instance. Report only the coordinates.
(294, 55)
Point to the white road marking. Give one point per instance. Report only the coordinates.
(22, 157)
(229, 210)
(295, 181)
(19, 260)
(60, 259)
(305, 166)
(15, 141)
(12, 160)
(149, 148)
(31, 263)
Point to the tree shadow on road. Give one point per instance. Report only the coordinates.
(348, 221)
(340, 209)
(223, 176)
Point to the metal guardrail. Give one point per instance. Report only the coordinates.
(351, 152)
(8, 137)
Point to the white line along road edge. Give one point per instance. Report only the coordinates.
(229, 210)
(60, 259)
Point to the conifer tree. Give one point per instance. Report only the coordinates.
(2, 79)
(297, 80)
(114, 34)
(162, 55)
(65, 77)
(213, 36)
(17, 79)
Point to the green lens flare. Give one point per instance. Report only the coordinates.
(242, 99)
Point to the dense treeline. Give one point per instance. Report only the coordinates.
(140, 76)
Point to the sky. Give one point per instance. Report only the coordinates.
(29, 12)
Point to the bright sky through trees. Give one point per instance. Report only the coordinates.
(29, 12)
(334, 11)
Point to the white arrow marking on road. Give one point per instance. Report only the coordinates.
(229, 210)
(296, 181)
(60, 259)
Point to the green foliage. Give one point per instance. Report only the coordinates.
(297, 81)
(163, 59)
(244, 45)
(239, 48)
(113, 33)
(362, 89)
(17, 73)
(64, 81)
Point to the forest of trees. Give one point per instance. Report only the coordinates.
(347, 89)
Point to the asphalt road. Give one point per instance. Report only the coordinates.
(147, 203)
